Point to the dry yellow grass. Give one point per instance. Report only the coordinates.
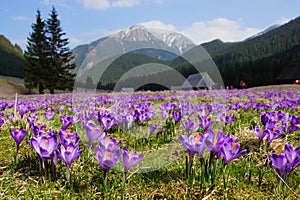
(9, 86)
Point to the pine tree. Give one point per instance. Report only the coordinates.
(60, 56)
(36, 55)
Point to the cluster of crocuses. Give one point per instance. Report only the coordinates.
(285, 163)
(218, 144)
(108, 153)
(46, 145)
(275, 125)
(171, 110)
(107, 149)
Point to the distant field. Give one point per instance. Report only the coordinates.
(11, 85)
(277, 87)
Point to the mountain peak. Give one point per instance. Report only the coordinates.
(263, 32)
(137, 27)
(133, 38)
(154, 37)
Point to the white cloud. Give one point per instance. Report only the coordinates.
(96, 4)
(60, 3)
(156, 24)
(21, 18)
(105, 4)
(125, 3)
(74, 41)
(282, 20)
(220, 28)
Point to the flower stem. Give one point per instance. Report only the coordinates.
(17, 152)
(105, 181)
(68, 174)
(45, 165)
(124, 180)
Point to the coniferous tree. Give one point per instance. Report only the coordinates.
(60, 68)
(36, 55)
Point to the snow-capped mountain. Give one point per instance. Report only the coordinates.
(263, 32)
(130, 39)
(175, 40)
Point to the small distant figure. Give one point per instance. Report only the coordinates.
(243, 84)
(231, 87)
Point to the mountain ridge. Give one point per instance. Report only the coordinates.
(134, 38)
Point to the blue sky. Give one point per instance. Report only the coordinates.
(201, 20)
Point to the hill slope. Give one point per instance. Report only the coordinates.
(11, 58)
(11, 85)
(258, 61)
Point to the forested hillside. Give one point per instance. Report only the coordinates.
(258, 61)
(11, 58)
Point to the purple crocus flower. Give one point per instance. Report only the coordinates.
(109, 143)
(293, 157)
(193, 144)
(205, 122)
(93, 132)
(38, 129)
(66, 121)
(152, 127)
(106, 120)
(177, 116)
(264, 118)
(214, 141)
(283, 117)
(107, 159)
(279, 163)
(285, 163)
(228, 119)
(49, 114)
(1, 121)
(129, 159)
(18, 135)
(45, 146)
(69, 154)
(60, 108)
(293, 124)
(260, 133)
(190, 126)
(3, 106)
(31, 119)
(230, 151)
(68, 137)
(142, 115)
(164, 114)
(22, 109)
(274, 133)
(11, 116)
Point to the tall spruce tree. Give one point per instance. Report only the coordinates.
(61, 76)
(35, 68)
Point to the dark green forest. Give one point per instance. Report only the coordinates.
(11, 58)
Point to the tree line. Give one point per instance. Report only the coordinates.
(47, 56)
